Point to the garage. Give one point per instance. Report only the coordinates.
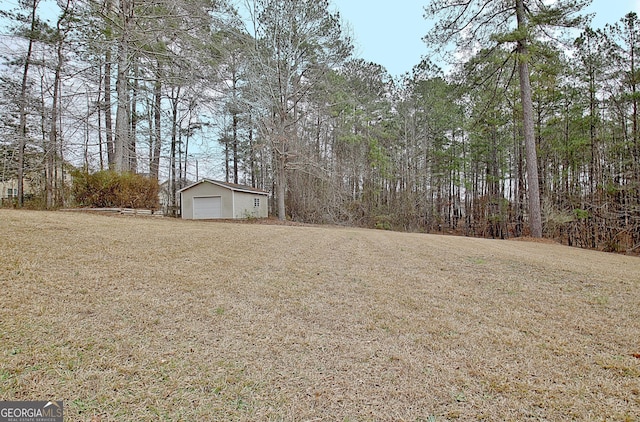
(206, 207)
(210, 199)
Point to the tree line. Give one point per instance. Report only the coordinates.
(268, 93)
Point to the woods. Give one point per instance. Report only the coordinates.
(269, 94)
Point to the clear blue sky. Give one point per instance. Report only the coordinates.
(389, 32)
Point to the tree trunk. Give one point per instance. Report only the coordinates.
(235, 147)
(252, 155)
(99, 119)
(123, 125)
(121, 144)
(234, 125)
(154, 165)
(133, 158)
(22, 130)
(108, 123)
(535, 214)
(111, 155)
(281, 188)
(51, 149)
(173, 182)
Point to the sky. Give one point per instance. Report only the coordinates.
(389, 33)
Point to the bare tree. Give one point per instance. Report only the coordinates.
(296, 43)
(60, 43)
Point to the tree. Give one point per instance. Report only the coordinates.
(626, 54)
(498, 24)
(59, 41)
(488, 126)
(229, 49)
(622, 165)
(297, 42)
(22, 100)
(123, 135)
(359, 141)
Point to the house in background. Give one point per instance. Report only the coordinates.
(35, 177)
(209, 199)
(9, 190)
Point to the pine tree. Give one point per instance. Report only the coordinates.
(499, 24)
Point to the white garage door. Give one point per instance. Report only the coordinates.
(206, 207)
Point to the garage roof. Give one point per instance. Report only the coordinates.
(227, 185)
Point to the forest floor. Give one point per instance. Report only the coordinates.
(146, 319)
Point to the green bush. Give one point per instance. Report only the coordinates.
(383, 222)
(106, 189)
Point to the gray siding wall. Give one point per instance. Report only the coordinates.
(234, 204)
(245, 205)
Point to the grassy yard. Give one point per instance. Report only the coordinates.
(143, 319)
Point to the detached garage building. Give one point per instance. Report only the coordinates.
(208, 199)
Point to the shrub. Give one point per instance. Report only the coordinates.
(383, 222)
(110, 189)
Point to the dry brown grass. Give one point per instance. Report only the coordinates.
(140, 319)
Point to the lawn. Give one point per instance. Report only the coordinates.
(147, 319)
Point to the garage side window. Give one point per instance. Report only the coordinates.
(256, 202)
